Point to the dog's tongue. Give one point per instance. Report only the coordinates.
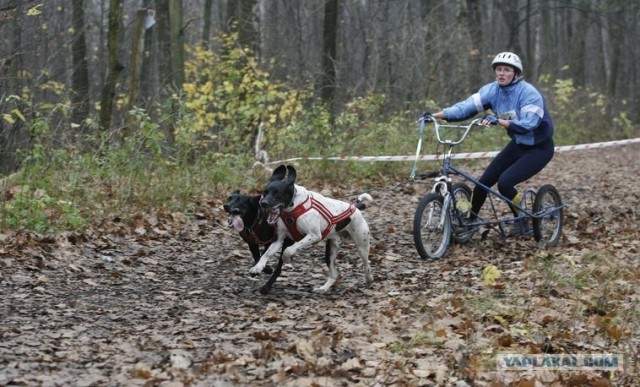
(273, 215)
(237, 223)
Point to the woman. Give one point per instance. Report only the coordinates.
(518, 107)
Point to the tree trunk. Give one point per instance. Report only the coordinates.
(163, 37)
(206, 27)
(170, 43)
(11, 64)
(247, 32)
(577, 57)
(80, 72)
(171, 48)
(176, 43)
(474, 20)
(137, 47)
(616, 50)
(329, 33)
(114, 66)
(528, 56)
(511, 16)
(148, 74)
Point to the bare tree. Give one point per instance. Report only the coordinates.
(114, 66)
(149, 84)
(80, 72)
(328, 78)
(170, 42)
(206, 28)
(474, 24)
(407, 50)
(176, 41)
(12, 135)
(243, 16)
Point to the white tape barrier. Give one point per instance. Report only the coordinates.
(460, 156)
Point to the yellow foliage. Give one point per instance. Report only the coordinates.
(490, 274)
(207, 88)
(226, 96)
(18, 114)
(34, 11)
(8, 118)
(228, 87)
(564, 90)
(56, 87)
(189, 88)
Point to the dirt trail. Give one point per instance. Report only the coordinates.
(183, 310)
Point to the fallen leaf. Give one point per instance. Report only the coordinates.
(489, 275)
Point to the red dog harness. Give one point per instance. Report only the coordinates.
(290, 218)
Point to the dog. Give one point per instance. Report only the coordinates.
(308, 217)
(245, 210)
(250, 220)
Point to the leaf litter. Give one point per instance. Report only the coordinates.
(169, 301)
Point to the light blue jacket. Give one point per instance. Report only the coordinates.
(520, 103)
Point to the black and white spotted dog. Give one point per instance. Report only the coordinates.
(308, 217)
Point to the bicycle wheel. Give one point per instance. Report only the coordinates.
(547, 229)
(462, 194)
(432, 227)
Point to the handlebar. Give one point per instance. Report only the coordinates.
(438, 125)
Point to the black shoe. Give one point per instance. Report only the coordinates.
(519, 228)
(468, 221)
(470, 217)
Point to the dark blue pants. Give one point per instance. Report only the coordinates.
(513, 165)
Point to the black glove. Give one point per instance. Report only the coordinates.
(491, 119)
(425, 116)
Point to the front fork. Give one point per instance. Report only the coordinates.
(441, 186)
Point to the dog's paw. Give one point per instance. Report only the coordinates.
(267, 270)
(265, 289)
(369, 280)
(287, 256)
(256, 269)
(321, 289)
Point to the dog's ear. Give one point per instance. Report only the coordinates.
(279, 173)
(292, 174)
(236, 192)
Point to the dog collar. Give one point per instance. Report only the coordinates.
(259, 241)
(257, 224)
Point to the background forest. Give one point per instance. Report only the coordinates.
(112, 104)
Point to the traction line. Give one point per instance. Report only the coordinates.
(459, 156)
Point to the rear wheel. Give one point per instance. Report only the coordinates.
(432, 227)
(462, 194)
(528, 197)
(526, 203)
(547, 223)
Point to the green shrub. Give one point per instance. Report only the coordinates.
(228, 113)
(582, 115)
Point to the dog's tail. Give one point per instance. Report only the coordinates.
(362, 200)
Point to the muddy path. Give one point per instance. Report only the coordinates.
(178, 307)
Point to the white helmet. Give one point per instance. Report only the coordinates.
(507, 58)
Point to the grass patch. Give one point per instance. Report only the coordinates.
(72, 186)
(71, 191)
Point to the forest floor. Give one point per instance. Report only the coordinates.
(170, 301)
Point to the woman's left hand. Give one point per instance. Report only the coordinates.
(490, 120)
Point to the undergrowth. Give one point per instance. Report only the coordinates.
(228, 115)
